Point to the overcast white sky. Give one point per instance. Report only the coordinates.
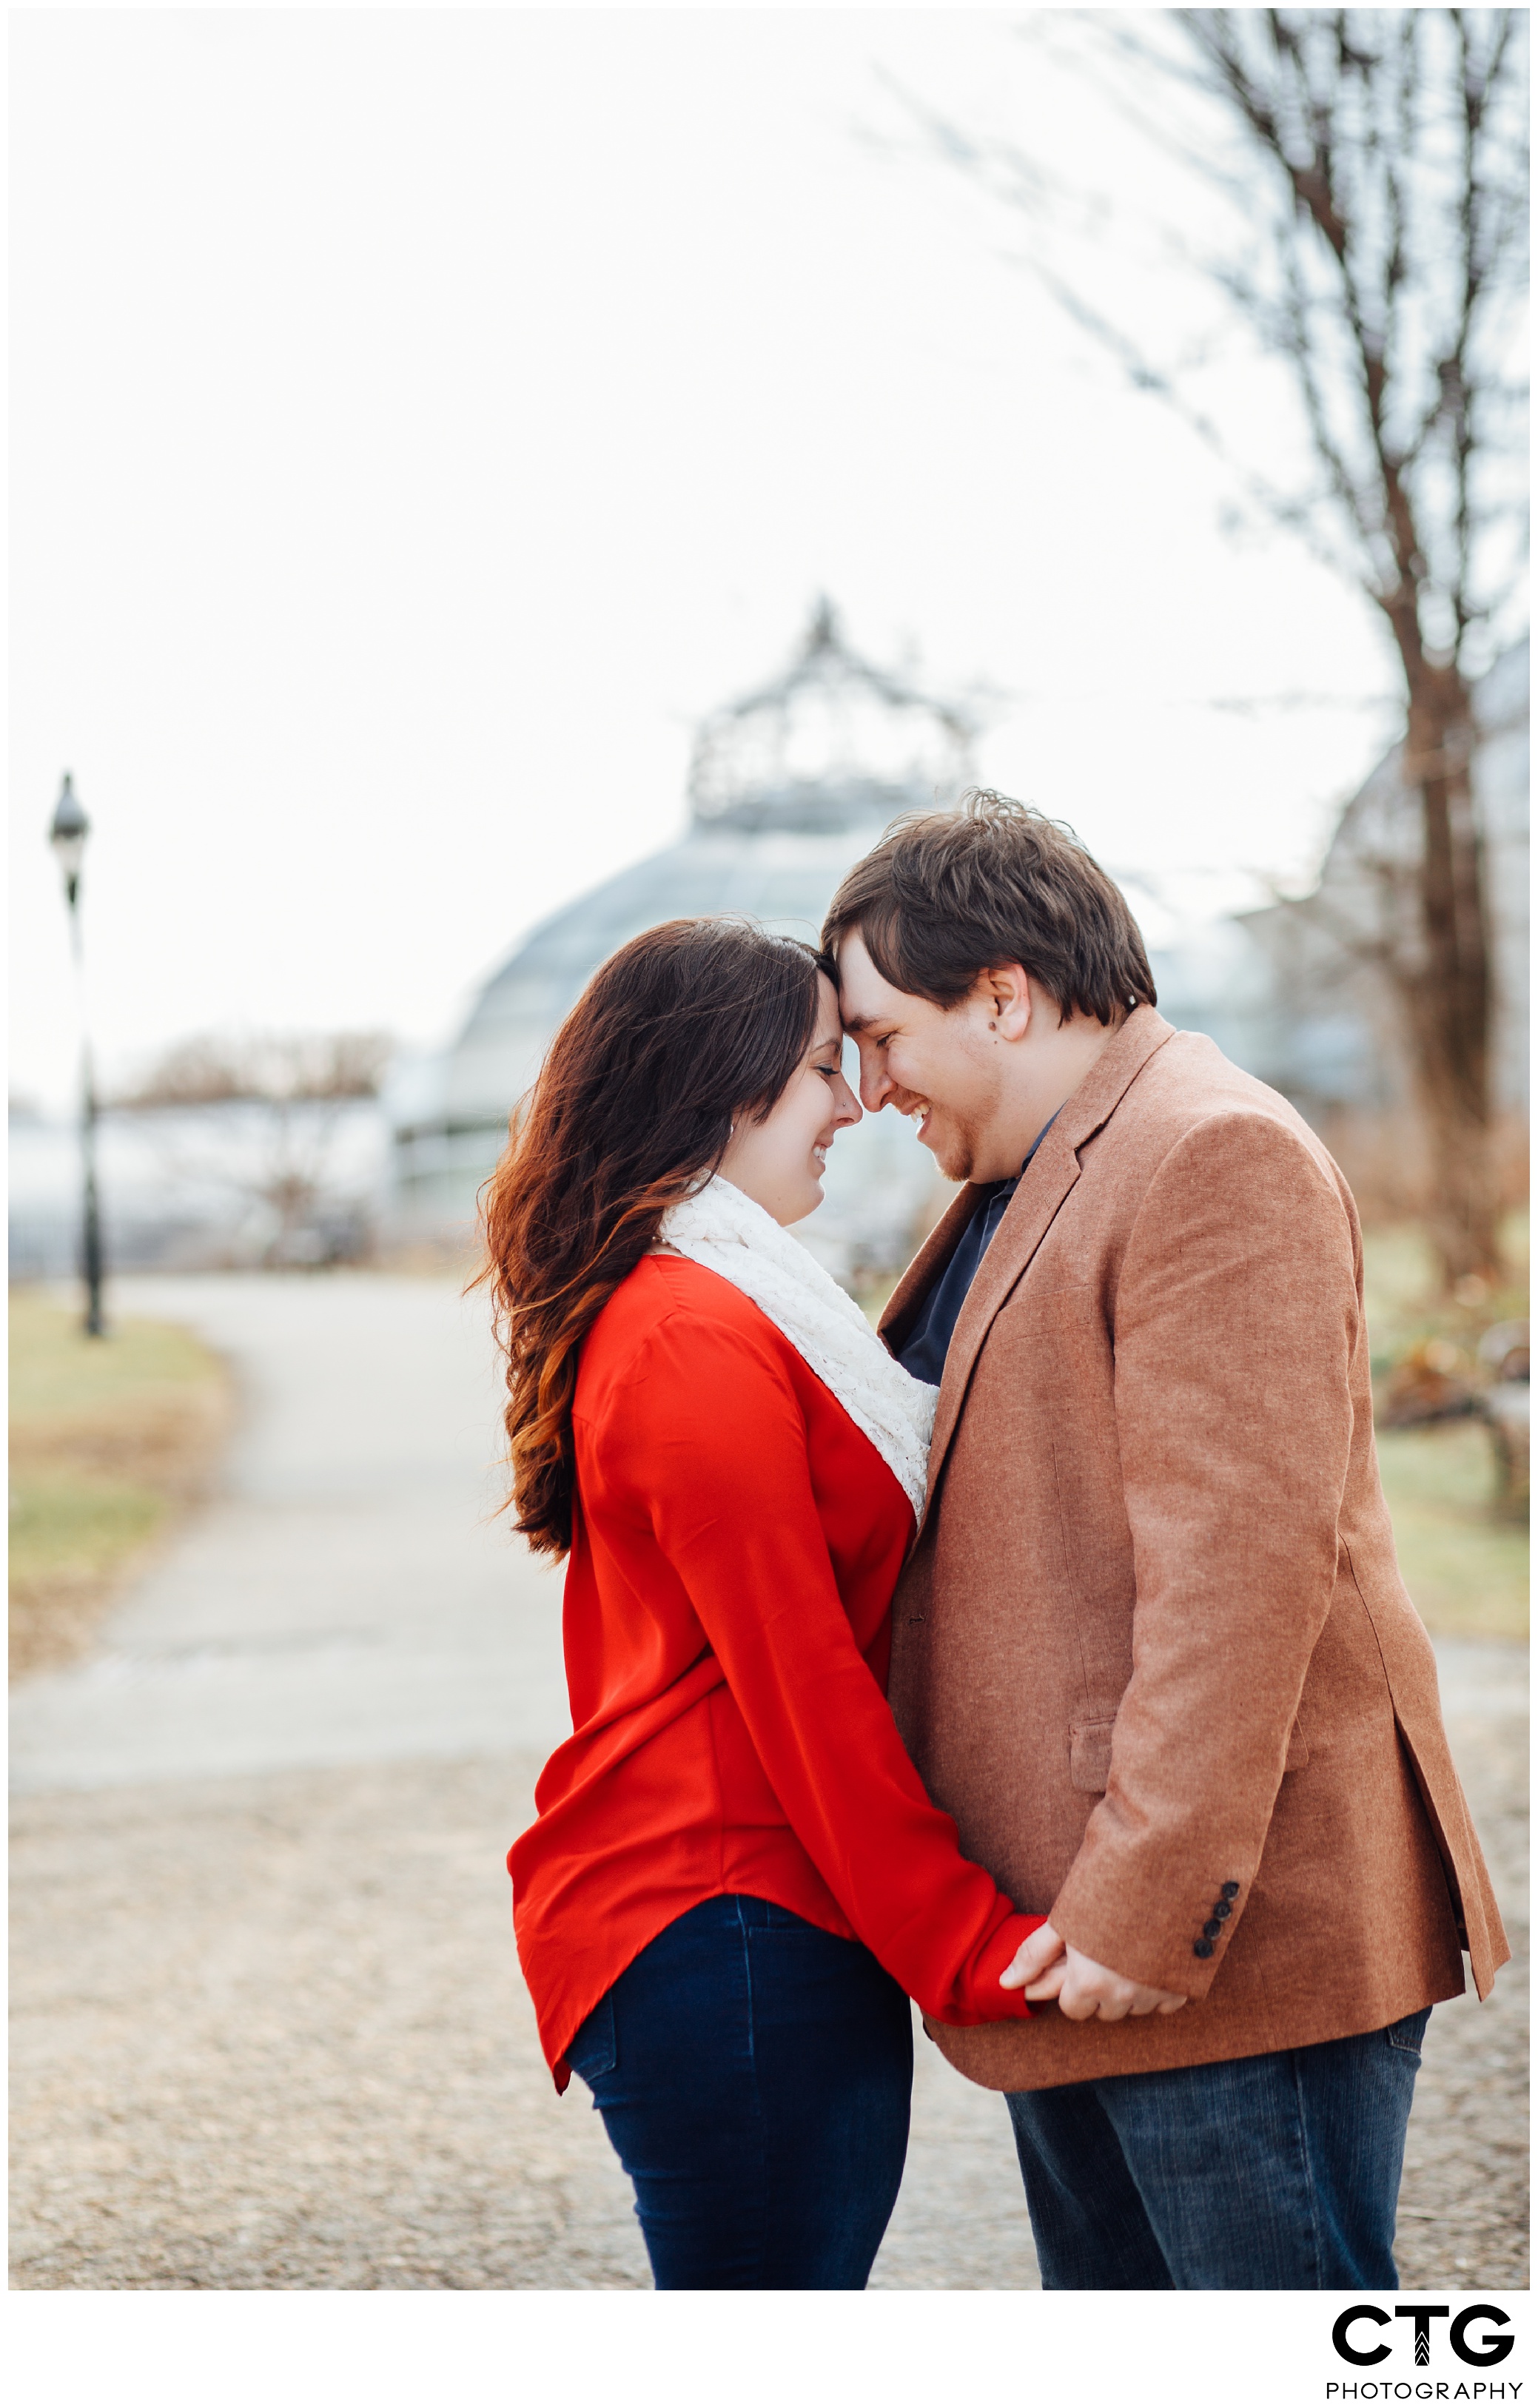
(419, 418)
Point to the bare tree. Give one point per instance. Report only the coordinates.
(1369, 169)
(322, 1068)
(296, 1088)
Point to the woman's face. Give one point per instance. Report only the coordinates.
(779, 1161)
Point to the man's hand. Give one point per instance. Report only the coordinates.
(1045, 1967)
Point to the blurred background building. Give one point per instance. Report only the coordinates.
(1294, 992)
(1329, 1030)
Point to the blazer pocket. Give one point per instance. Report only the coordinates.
(1297, 1755)
(1089, 1752)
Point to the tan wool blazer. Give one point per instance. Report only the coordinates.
(1152, 1648)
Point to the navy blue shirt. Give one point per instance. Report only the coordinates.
(928, 1341)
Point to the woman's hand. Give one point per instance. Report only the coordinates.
(1045, 1967)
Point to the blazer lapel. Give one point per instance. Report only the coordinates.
(1032, 1210)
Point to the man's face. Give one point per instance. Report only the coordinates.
(942, 1068)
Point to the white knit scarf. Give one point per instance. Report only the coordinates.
(725, 1231)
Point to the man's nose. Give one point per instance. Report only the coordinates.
(875, 1086)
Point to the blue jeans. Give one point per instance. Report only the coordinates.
(754, 2074)
(1263, 2173)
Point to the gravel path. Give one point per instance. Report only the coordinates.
(1465, 2203)
(270, 2030)
(276, 2039)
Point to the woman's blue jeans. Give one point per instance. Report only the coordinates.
(754, 2074)
(1263, 2173)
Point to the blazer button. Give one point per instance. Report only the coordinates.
(1222, 1910)
(1202, 1948)
(1211, 1928)
(1230, 1889)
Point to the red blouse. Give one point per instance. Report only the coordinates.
(736, 1543)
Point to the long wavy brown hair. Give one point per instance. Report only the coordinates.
(680, 1033)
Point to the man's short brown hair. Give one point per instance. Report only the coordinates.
(948, 895)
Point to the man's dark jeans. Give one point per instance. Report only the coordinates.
(754, 2075)
(1263, 2173)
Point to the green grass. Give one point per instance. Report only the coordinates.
(1404, 1305)
(56, 1370)
(1466, 1567)
(108, 1437)
(1465, 1563)
(61, 1523)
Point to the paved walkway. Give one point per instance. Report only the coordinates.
(269, 2027)
(350, 1596)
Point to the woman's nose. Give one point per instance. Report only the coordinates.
(849, 1111)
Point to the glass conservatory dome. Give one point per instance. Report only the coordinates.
(788, 788)
(831, 745)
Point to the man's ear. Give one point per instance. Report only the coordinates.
(1006, 993)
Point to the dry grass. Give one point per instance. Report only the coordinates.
(1404, 1303)
(1464, 1558)
(110, 1438)
(1465, 1563)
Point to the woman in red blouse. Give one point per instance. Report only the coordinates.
(736, 1880)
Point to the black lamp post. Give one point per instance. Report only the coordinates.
(67, 837)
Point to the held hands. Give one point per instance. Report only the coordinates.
(1045, 1967)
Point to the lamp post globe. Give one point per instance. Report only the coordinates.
(67, 836)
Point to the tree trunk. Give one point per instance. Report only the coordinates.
(1448, 996)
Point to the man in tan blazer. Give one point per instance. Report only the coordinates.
(1152, 1649)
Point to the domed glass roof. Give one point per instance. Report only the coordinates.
(831, 743)
(788, 787)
